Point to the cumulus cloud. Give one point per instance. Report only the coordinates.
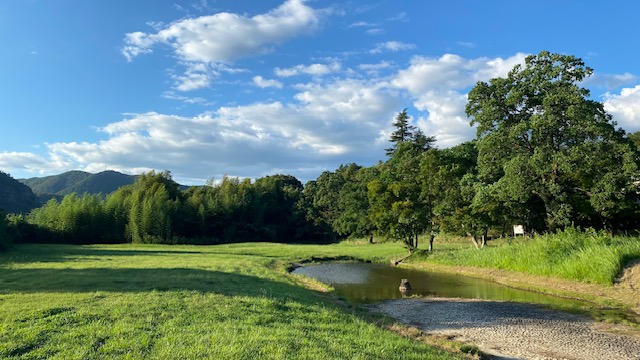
(439, 86)
(313, 69)
(261, 82)
(24, 161)
(392, 46)
(625, 108)
(451, 72)
(322, 126)
(446, 119)
(224, 37)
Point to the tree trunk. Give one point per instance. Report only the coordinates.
(371, 239)
(408, 242)
(475, 242)
(484, 239)
(431, 237)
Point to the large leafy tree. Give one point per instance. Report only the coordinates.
(399, 208)
(337, 203)
(541, 139)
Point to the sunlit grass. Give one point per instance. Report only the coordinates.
(184, 302)
(586, 256)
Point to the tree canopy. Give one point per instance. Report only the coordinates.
(541, 139)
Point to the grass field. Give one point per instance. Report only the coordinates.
(585, 256)
(185, 302)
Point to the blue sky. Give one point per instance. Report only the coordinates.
(254, 88)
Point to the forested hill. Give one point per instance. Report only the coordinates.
(15, 197)
(79, 182)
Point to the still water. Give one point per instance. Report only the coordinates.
(368, 283)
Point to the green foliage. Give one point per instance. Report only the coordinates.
(167, 302)
(337, 202)
(409, 134)
(635, 139)
(541, 140)
(398, 209)
(5, 240)
(155, 210)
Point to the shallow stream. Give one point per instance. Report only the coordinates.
(368, 283)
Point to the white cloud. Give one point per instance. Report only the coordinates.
(401, 17)
(196, 76)
(625, 108)
(23, 161)
(446, 120)
(189, 100)
(374, 69)
(261, 82)
(376, 31)
(363, 24)
(392, 46)
(451, 72)
(323, 125)
(313, 69)
(224, 37)
(439, 87)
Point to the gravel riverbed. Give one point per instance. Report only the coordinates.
(513, 330)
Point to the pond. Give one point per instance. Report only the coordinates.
(368, 283)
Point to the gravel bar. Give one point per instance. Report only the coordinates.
(513, 330)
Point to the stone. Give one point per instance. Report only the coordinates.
(405, 285)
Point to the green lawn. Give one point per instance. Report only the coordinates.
(184, 302)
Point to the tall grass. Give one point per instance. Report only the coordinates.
(587, 256)
(184, 302)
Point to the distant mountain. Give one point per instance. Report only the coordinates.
(78, 182)
(16, 197)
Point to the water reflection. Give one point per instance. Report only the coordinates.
(368, 283)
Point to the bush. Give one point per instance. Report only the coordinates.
(5, 240)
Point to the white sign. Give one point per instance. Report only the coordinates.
(518, 230)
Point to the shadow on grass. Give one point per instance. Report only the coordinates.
(141, 280)
(57, 253)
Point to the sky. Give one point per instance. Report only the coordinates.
(250, 88)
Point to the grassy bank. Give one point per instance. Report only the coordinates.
(584, 256)
(170, 302)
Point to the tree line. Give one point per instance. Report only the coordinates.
(155, 210)
(545, 156)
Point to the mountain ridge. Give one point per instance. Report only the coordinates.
(16, 197)
(78, 182)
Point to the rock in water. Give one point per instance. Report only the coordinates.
(404, 285)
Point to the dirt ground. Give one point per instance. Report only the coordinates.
(512, 330)
(630, 279)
